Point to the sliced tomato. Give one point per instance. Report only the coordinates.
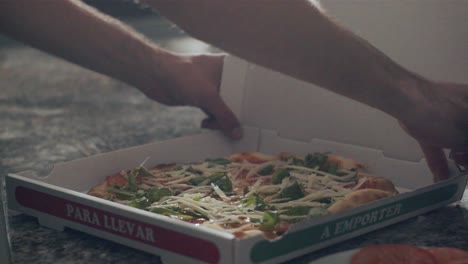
(392, 254)
(445, 255)
(116, 180)
(252, 157)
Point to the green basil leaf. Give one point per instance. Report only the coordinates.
(121, 194)
(330, 167)
(293, 191)
(250, 201)
(269, 221)
(216, 176)
(297, 162)
(144, 172)
(279, 175)
(315, 160)
(131, 180)
(267, 170)
(171, 213)
(260, 203)
(192, 170)
(198, 180)
(140, 203)
(155, 194)
(224, 184)
(256, 200)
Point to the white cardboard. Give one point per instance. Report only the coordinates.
(70, 180)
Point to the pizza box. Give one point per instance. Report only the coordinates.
(59, 199)
(279, 114)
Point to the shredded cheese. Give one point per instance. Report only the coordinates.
(197, 192)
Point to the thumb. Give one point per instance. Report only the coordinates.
(222, 118)
(436, 160)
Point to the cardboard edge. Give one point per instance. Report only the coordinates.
(250, 244)
(81, 174)
(110, 214)
(232, 88)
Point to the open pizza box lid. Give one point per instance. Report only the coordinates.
(288, 111)
(279, 114)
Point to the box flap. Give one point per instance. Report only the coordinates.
(301, 111)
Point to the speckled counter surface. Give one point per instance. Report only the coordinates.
(52, 111)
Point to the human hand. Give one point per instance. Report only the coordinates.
(439, 120)
(193, 80)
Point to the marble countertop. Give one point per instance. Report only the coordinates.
(53, 111)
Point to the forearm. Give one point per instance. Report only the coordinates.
(296, 38)
(76, 32)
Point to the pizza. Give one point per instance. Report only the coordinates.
(248, 193)
(406, 254)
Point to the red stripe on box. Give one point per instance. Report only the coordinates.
(119, 225)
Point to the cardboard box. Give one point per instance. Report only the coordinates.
(280, 114)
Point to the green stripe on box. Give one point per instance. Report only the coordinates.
(266, 250)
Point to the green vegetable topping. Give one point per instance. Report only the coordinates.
(224, 184)
(121, 194)
(140, 203)
(279, 175)
(155, 194)
(330, 167)
(171, 213)
(256, 200)
(192, 170)
(267, 170)
(246, 190)
(131, 180)
(198, 180)
(296, 162)
(216, 176)
(315, 160)
(269, 221)
(144, 172)
(219, 161)
(293, 191)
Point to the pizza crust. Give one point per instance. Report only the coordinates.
(252, 157)
(358, 198)
(346, 163)
(99, 190)
(367, 181)
(102, 191)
